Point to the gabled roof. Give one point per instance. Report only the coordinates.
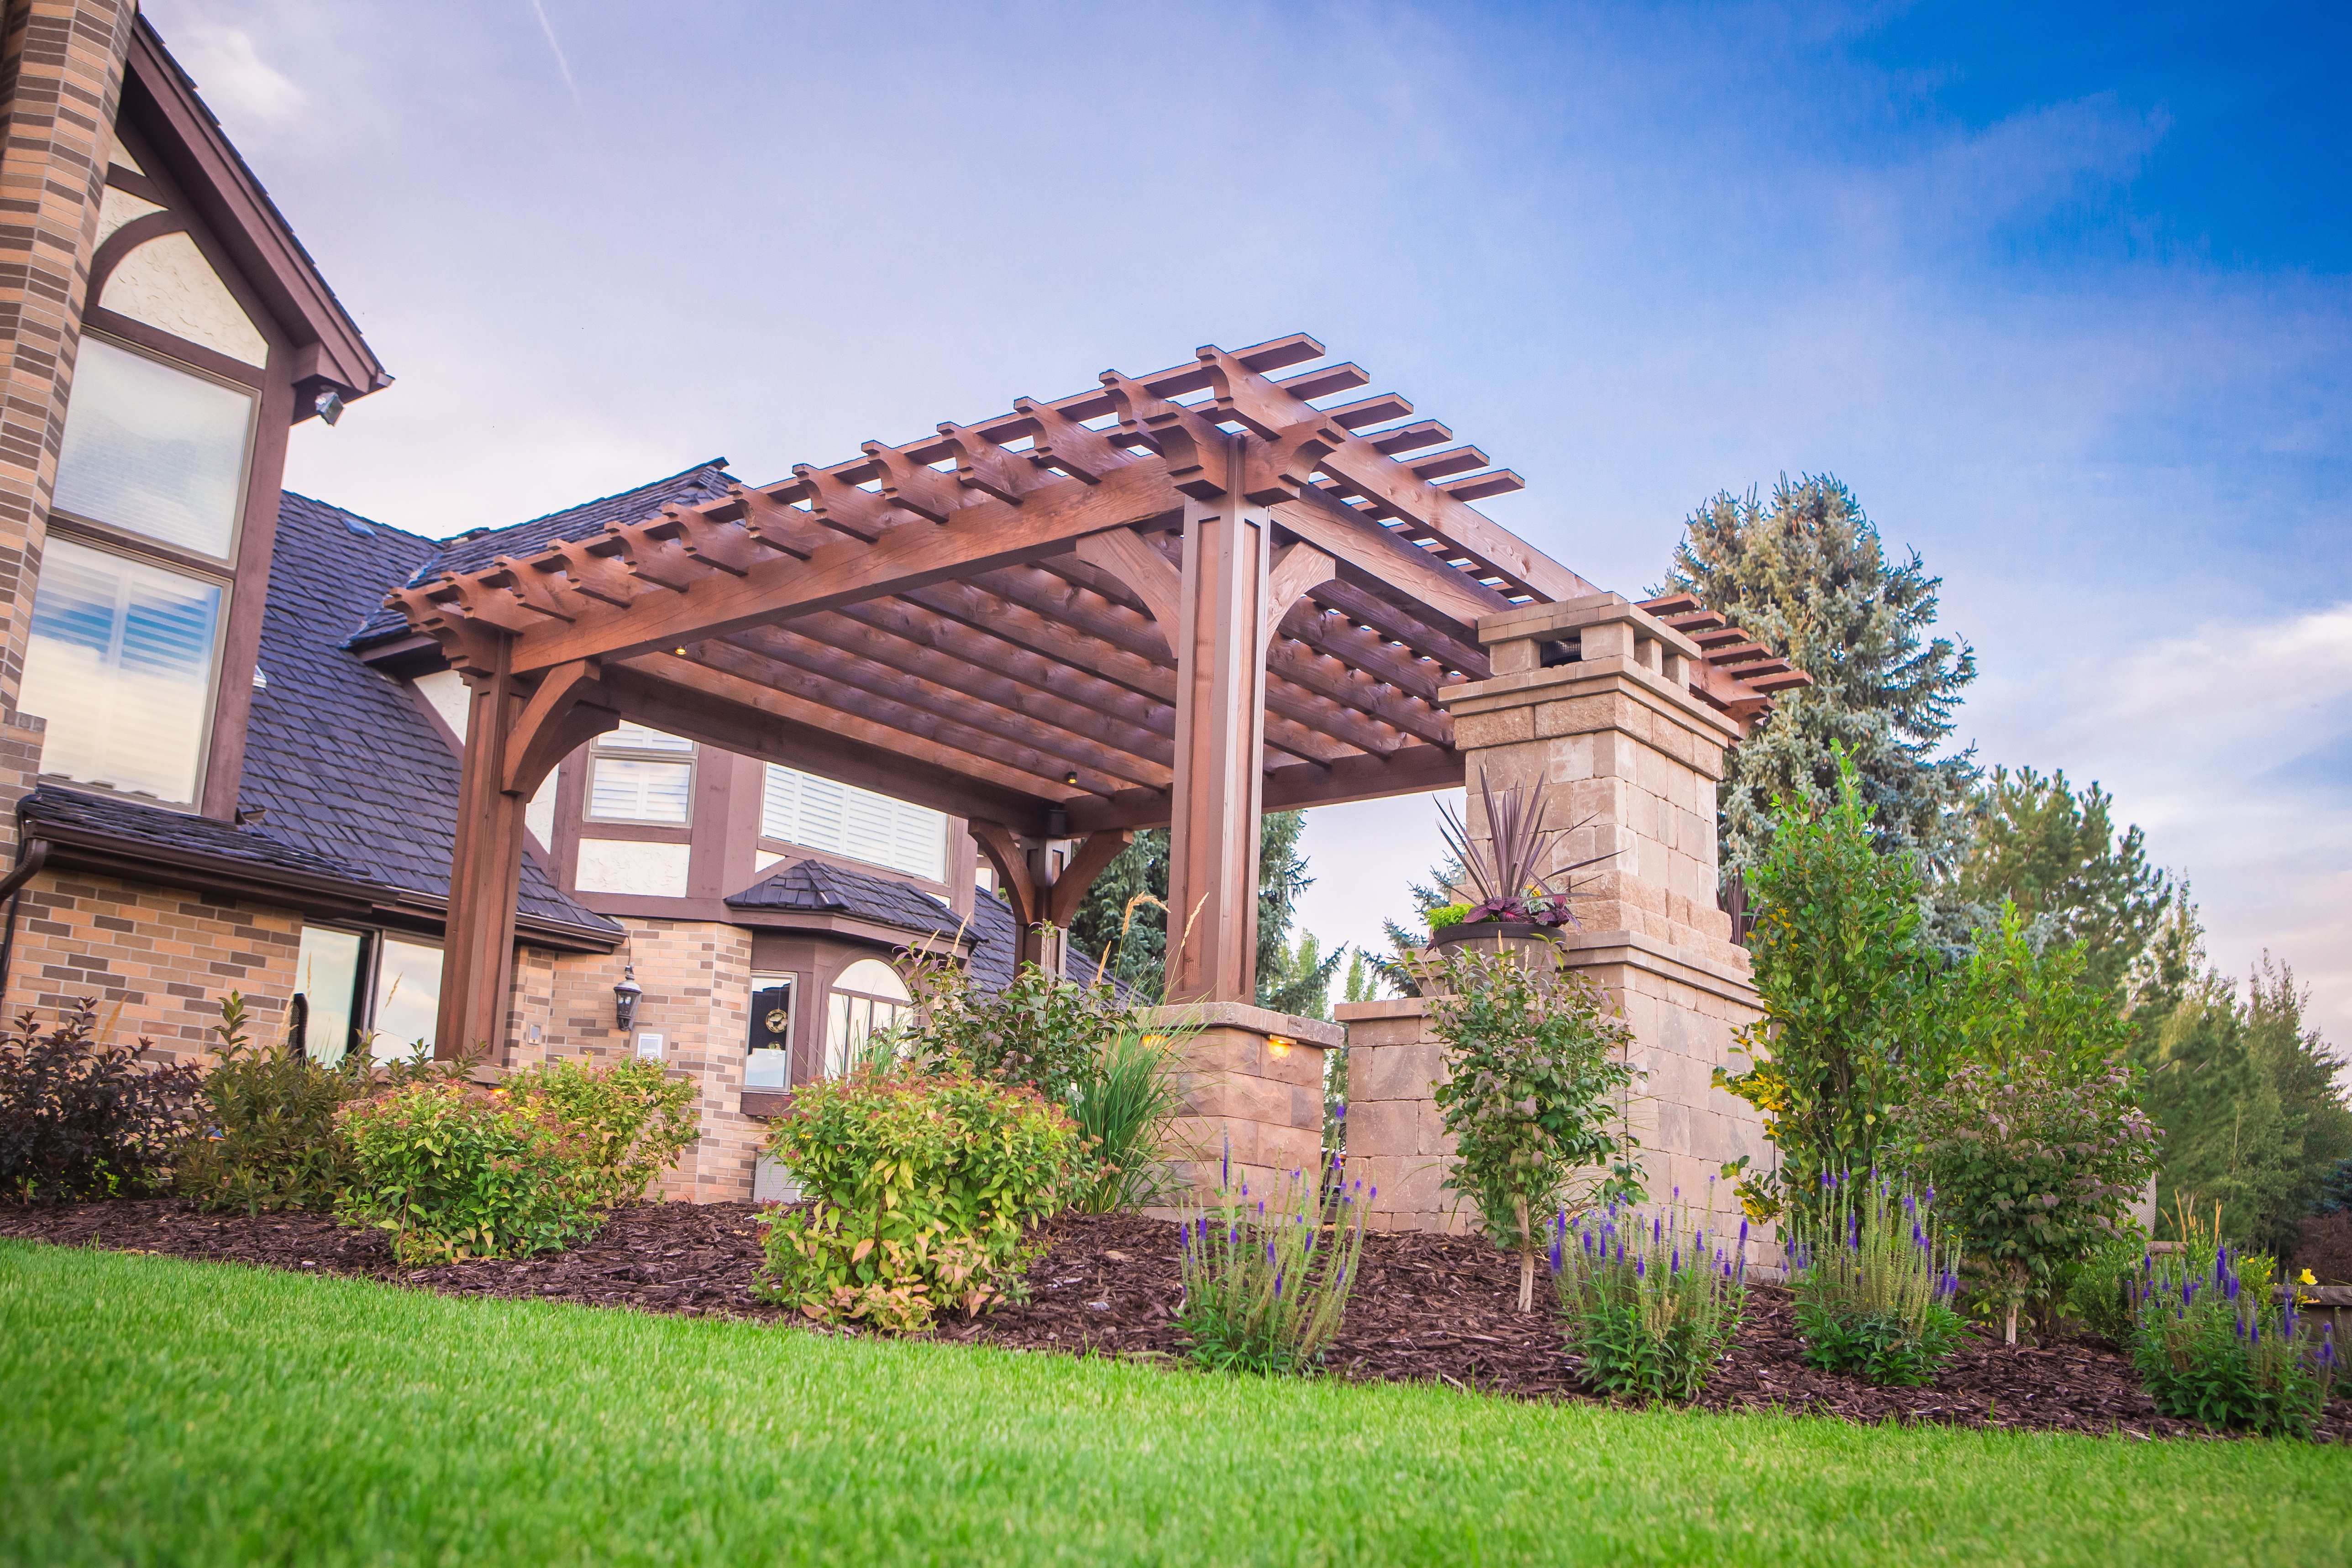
(471, 552)
(341, 756)
(161, 97)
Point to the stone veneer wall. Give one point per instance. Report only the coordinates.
(1682, 1029)
(696, 977)
(158, 959)
(1252, 1082)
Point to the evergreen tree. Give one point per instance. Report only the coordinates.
(2054, 854)
(1806, 576)
(2248, 1097)
(1125, 915)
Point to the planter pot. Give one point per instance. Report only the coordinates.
(1507, 935)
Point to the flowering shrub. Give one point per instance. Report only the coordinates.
(454, 1174)
(269, 1134)
(2211, 1347)
(1874, 1285)
(2037, 1170)
(924, 1182)
(630, 1117)
(1535, 1071)
(79, 1119)
(1650, 1308)
(1266, 1279)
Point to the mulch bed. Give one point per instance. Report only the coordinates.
(1425, 1309)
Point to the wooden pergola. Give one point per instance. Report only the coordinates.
(1178, 599)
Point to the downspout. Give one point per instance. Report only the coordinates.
(30, 857)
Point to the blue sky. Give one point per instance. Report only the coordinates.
(2063, 299)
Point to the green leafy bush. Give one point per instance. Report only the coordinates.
(1039, 1030)
(1533, 1092)
(1266, 1280)
(2212, 1347)
(1124, 1100)
(2100, 1297)
(2037, 1170)
(1649, 1308)
(1874, 1283)
(630, 1118)
(79, 1119)
(454, 1173)
(1446, 916)
(924, 1181)
(1846, 980)
(269, 1135)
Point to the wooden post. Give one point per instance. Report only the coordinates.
(1220, 742)
(485, 863)
(515, 737)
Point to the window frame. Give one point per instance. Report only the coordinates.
(601, 749)
(177, 555)
(178, 564)
(790, 981)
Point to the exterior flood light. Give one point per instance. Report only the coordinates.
(330, 405)
(625, 998)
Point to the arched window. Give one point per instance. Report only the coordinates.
(866, 996)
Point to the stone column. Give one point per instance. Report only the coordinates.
(1252, 1087)
(1395, 1138)
(1591, 698)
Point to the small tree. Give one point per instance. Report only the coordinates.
(2035, 1168)
(1846, 982)
(1535, 1076)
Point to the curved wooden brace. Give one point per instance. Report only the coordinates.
(555, 723)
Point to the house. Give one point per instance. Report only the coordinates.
(232, 769)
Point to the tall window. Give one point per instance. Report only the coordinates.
(119, 663)
(868, 996)
(640, 775)
(150, 481)
(768, 1064)
(801, 809)
(154, 450)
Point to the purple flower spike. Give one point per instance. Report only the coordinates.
(1340, 1110)
(1743, 1233)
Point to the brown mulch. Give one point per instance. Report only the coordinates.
(1425, 1309)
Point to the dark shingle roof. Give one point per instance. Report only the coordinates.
(119, 819)
(347, 765)
(703, 481)
(822, 887)
(816, 886)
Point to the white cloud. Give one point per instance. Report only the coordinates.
(234, 79)
(2228, 741)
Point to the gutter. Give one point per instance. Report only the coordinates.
(31, 856)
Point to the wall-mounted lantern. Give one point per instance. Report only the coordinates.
(625, 998)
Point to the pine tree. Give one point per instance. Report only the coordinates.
(1807, 578)
(2054, 854)
(1125, 915)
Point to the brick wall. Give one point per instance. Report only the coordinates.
(158, 959)
(60, 84)
(21, 736)
(696, 977)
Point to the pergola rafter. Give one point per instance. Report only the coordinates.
(1174, 598)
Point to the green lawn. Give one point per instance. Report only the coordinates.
(158, 1411)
